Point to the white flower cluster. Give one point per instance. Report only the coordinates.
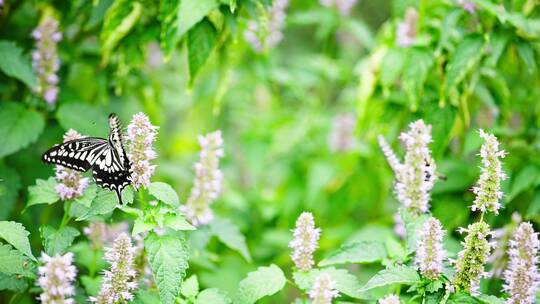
(71, 183)
(304, 242)
(488, 190)
(522, 277)
(208, 180)
(323, 290)
(429, 252)
(417, 174)
(56, 279)
(267, 32)
(140, 137)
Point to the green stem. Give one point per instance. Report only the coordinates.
(66, 217)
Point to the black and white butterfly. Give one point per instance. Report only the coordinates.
(107, 158)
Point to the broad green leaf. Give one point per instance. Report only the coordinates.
(489, 299)
(463, 298)
(230, 235)
(10, 184)
(391, 66)
(91, 285)
(413, 225)
(524, 180)
(168, 258)
(212, 295)
(43, 192)
(15, 234)
(13, 262)
(467, 55)
(398, 275)
(526, 53)
(177, 222)
(104, 203)
(165, 193)
(19, 128)
(142, 225)
(200, 43)
(57, 241)
(192, 11)
(12, 282)
(356, 253)
(190, 287)
(415, 73)
(14, 64)
(120, 18)
(95, 122)
(346, 283)
(265, 281)
(88, 196)
(168, 17)
(146, 297)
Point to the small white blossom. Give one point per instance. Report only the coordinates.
(341, 137)
(208, 180)
(344, 7)
(429, 252)
(522, 276)
(407, 29)
(323, 290)
(71, 183)
(118, 282)
(488, 190)
(390, 299)
(56, 279)
(140, 138)
(266, 33)
(304, 242)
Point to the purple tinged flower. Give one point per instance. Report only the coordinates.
(399, 226)
(119, 281)
(344, 7)
(45, 59)
(267, 32)
(407, 29)
(71, 183)
(488, 189)
(429, 252)
(323, 290)
(467, 5)
(140, 138)
(304, 242)
(56, 279)
(390, 299)
(208, 180)
(522, 276)
(100, 234)
(341, 137)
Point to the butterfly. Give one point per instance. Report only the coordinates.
(107, 158)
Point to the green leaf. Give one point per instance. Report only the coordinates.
(12, 282)
(165, 193)
(415, 73)
(413, 225)
(230, 235)
(192, 11)
(20, 127)
(104, 203)
(463, 298)
(398, 275)
(69, 116)
(177, 222)
(88, 196)
(265, 281)
(91, 285)
(391, 66)
(13, 262)
(43, 192)
(190, 288)
(488, 299)
(120, 18)
(526, 53)
(14, 64)
(10, 184)
(357, 253)
(142, 225)
(346, 283)
(57, 241)
(168, 258)
(168, 16)
(212, 295)
(15, 234)
(467, 55)
(524, 180)
(201, 40)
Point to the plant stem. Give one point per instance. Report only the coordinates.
(66, 217)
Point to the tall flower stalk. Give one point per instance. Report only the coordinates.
(140, 138)
(416, 176)
(71, 183)
(208, 180)
(45, 59)
(304, 242)
(323, 290)
(429, 252)
(56, 279)
(522, 277)
(118, 281)
(267, 32)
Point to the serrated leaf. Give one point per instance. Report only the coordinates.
(14, 64)
(357, 253)
(192, 11)
(104, 202)
(230, 235)
(200, 43)
(120, 18)
(57, 241)
(20, 127)
(10, 184)
(88, 196)
(398, 275)
(346, 283)
(190, 288)
(212, 295)
(168, 258)
(165, 193)
(141, 225)
(265, 281)
(15, 234)
(69, 116)
(467, 55)
(415, 74)
(13, 262)
(12, 282)
(177, 222)
(43, 192)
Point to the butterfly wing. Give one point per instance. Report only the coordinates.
(79, 154)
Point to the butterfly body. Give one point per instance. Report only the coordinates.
(107, 158)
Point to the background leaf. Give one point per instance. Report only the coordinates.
(19, 128)
(14, 64)
(15, 234)
(265, 281)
